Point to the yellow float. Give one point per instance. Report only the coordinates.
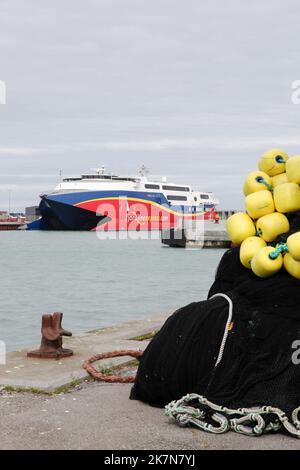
(257, 181)
(293, 169)
(273, 162)
(239, 227)
(293, 244)
(279, 179)
(270, 226)
(270, 193)
(263, 265)
(259, 204)
(287, 197)
(249, 248)
(291, 265)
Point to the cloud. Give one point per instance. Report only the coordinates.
(196, 143)
(214, 144)
(194, 89)
(19, 151)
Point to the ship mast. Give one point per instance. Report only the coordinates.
(144, 171)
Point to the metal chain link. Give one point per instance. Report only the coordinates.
(194, 409)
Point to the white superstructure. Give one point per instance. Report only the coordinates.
(99, 180)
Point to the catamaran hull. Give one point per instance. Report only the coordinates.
(106, 210)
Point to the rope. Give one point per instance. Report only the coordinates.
(260, 179)
(226, 331)
(280, 159)
(98, 375)
(280, 249)
(197, 410)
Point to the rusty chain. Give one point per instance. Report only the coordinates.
(98, 375)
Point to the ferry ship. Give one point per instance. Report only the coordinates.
(99, 200)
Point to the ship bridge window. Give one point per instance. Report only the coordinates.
(204, 196)
(176, 188)
(71, 179)
(96, 177)
(117, 178)
(107, 177)
(177, 198)
(152, 186)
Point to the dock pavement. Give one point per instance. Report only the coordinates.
(84, 414)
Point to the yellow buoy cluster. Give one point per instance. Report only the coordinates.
(270, 193)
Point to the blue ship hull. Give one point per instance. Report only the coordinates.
(86, 210)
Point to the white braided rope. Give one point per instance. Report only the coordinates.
(226, 331)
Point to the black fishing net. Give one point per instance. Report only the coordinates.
(257, 367)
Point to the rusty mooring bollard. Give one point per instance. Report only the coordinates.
(52, 333)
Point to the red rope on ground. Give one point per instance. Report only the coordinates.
(87, 365)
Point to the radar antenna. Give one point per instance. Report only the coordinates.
(100, 170)
(144, 171)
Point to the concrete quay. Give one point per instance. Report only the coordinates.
(95, 415)
(47, 375)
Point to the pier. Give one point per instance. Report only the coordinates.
(48, 375)
(50, 404)
(11, 221)
(208, 235)
(11, 225)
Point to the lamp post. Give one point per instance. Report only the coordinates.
(9, 201)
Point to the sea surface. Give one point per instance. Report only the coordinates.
(95, 283)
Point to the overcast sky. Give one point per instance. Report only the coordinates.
(194, 89)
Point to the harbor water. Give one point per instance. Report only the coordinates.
(95, 283)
